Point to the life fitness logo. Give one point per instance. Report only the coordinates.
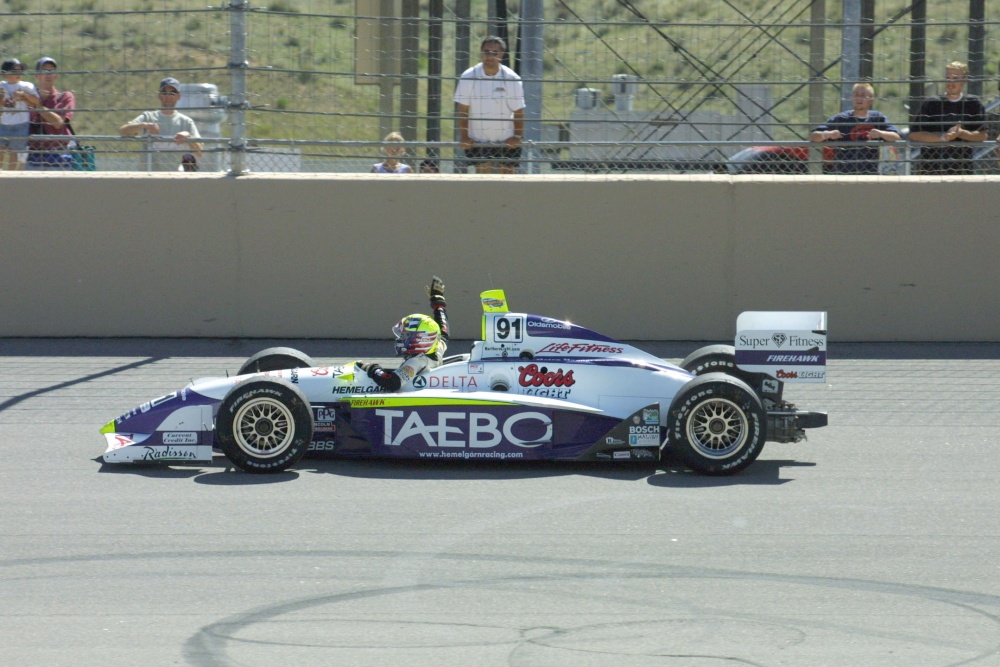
(464, 429)
(533, 376)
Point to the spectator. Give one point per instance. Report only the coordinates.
(17, 97)
(51, 117)
(947, 118)
(429, 166)
(175, 132)
(393, 150)
(490, 111)
(861, 123)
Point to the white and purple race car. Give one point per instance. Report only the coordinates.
(533, 388)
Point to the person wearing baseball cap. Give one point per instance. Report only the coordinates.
(51, 117)
(173, 133)
(16, 97)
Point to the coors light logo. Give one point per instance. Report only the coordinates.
(533, 376)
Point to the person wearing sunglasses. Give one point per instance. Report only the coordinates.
(174, 133)
(489, 108)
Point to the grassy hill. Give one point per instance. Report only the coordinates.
(302, 86)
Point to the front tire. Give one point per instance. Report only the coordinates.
(276, 359)
(264, 425)
(717, 425)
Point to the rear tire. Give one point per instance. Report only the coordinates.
(276, 359)
(717, 425)
(264, 425)
(715, 359)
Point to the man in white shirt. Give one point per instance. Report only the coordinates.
(175, 132)
(489, 101)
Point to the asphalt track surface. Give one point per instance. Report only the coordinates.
(875, 543)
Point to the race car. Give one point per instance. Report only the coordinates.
(532, 388)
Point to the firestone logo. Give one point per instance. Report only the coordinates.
(463, 429)
(533, 376)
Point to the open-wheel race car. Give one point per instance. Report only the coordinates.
(533, 388)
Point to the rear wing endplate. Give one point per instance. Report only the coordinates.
(787, 345)
(494, 301)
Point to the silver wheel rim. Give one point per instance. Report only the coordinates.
(264, 428)
(717, 428)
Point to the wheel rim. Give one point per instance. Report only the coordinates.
(264, 428)
(717, 428)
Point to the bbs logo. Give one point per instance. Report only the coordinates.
(322, 446)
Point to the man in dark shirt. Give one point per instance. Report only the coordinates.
(861, 123)
(952, 117)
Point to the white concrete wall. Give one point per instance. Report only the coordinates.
(635, 257)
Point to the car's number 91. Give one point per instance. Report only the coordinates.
(508, 329)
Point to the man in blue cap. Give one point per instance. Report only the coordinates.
(174, 133)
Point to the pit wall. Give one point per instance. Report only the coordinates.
(634, 257)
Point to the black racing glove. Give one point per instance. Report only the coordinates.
(436, 293)
(371, 369)
(386, 379)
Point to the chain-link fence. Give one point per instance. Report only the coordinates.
(611, 85)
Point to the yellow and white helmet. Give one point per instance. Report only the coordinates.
(416, 334)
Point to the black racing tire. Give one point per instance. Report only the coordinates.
(264, 425)
(720, 359)
(276, 359)
(717, 424)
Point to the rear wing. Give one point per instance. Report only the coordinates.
(494, 301)
(787, 345)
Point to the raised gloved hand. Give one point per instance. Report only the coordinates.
(435, 292)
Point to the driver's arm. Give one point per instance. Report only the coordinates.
(394, 380)
(436, 295)
(388, 380)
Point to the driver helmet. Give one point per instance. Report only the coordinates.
(416, 334)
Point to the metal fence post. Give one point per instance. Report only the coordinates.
(532, 45)
(850, 49)
(238, 85)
